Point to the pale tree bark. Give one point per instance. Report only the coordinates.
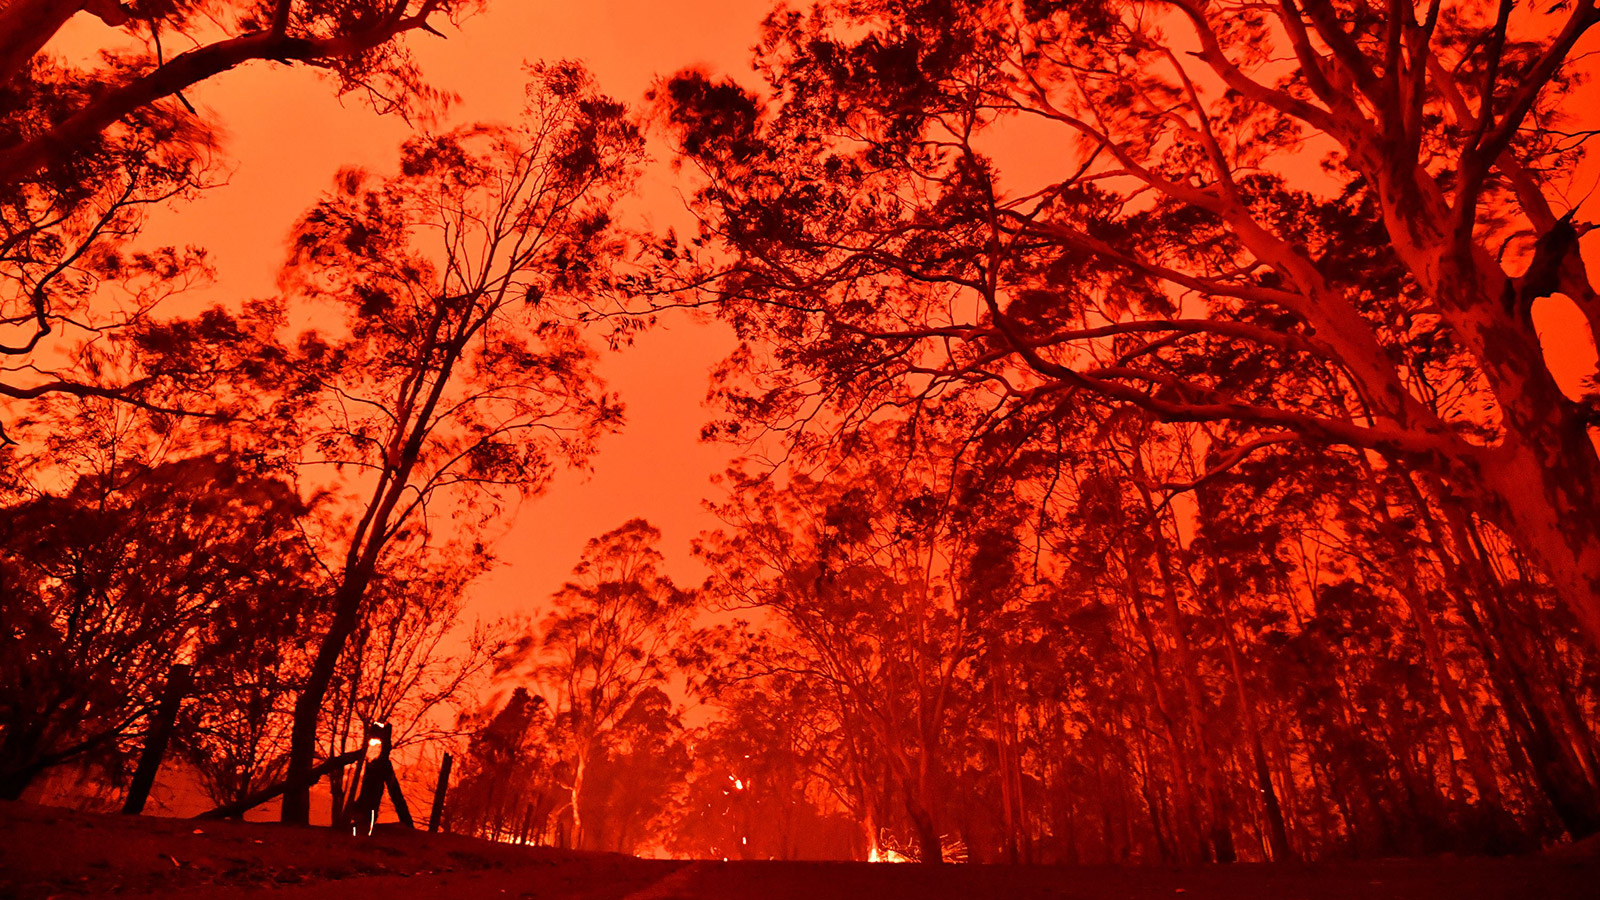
(580, 769)
(1373, 82)
(1541, 483)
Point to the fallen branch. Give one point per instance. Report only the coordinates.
(240, 807)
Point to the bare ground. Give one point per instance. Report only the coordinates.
(55, 853)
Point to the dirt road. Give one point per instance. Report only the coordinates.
(47, 853)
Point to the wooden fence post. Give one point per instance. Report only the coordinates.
(439, 790)
(397, 797)
(338, 809)
(155, 741)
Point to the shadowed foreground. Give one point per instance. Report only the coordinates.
(48, 852)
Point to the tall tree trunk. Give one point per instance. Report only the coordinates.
(1552, 500)
(930, 849)
(1219, 835)
(1150, 791)
(416, 404)
(1006, 762)
(1541, 483)
(1572, 796)
(869, 826)
(1277, 829)
(1536, 651)
(1183, 783)
(1477, 758)
(580, 767)
(308, 706)
(1223, 608)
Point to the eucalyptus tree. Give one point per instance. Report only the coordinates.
(88, 147)
(875, 573)
(122, 573)
(612, 639)
(884, 240)
(457, 377)
(359, 44)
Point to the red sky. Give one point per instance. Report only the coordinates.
(288, 134)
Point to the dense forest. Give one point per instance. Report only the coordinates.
(1146, 449)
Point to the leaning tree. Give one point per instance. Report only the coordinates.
(457, 377)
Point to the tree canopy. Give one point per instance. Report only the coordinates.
(1145, 449)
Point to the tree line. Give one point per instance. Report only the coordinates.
(1200, 494)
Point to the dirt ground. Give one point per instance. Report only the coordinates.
(55, 853)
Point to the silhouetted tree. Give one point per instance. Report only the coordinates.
(870, 575)
(507, 790)
(458, 376)
(358, 43)
(763, 778)
(880, 249)
(413, 662)
(68, 273)
(612, 638)
(632, 782)
(110, 582)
